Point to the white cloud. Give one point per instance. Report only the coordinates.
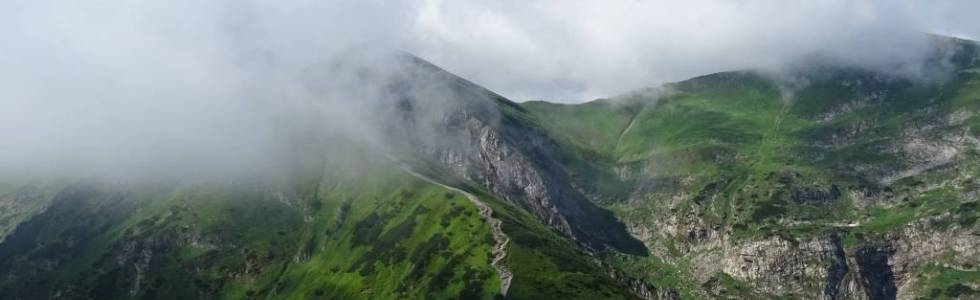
(148, 83)
(571, 51)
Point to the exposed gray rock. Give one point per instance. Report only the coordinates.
(479, 136)
(875, 269)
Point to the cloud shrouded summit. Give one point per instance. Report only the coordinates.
(523, 49)
(576, 51)
(213, 82)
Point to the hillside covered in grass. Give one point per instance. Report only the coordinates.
(841, 182)
(826, 181)
(377, 232)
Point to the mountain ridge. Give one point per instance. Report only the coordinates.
(723, 168)
(857, 184)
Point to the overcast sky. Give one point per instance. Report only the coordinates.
(558, 50)
(576, 50)
(104, 82)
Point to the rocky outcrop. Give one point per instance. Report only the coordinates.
(449, 126)
(876, 274)
(816, 195)
(519, 171)
(837, 270)
(823, 267)
(820, 266)
(780, 267)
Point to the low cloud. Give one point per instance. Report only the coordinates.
(579, 51)
(181, 87)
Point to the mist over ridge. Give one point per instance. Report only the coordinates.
(189, 87)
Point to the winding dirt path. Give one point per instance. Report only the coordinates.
(499, 250)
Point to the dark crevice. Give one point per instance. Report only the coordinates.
(837, 269)
(877, 277)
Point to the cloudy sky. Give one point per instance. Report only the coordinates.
(558, 50)
(575, 50)
(105, 82)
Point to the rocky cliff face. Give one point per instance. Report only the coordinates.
(521, 171)
(880, 269)
(488, 141)
(842, 261)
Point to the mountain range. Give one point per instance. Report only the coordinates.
(827, 181)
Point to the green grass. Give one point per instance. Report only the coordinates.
(433, 258)
(731, 152)
(20, 202)
(596, 125)
(728, 151)
(266, 241)
(371, 233)
(938, 282)
(547, 265)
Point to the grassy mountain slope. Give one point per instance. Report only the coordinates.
(384, 236)
(358, 230)
(720, 167)
(839, 183)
